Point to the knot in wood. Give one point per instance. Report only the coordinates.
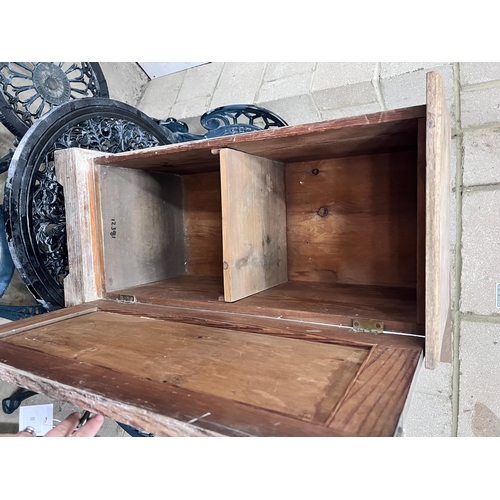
(322, 211)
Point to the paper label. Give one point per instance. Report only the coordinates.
(40, 417)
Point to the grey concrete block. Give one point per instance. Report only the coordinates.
(276, 70)
(480, 251)
(388, 69)
(480, 106)
(454, 161)
(364, 109)
(238, 84)
(435, 382)
(341, 85)
(429, 416)
(481, 157)
(200, 82)
(359, 94)
(160, 95)
(453, 218)
(289, 86)
(409, 89)
(337, 74)
(479, 405)
(126, 81)
(478, 72)
(191, 108)
(294, 110)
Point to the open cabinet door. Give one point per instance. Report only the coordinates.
(437, 266)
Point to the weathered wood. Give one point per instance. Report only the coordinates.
(85, 398)
(297, 329)
(154, 407)
(203, 224)
(421, 233)
(142, 226)
(75, 172)
(361, 135)
(301, 379)
(253, 224)
(376, 398)
(333, 304)
(26, 324)
(438, 294)
(353, 220)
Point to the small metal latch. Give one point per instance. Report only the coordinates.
(127, 299)
(368, 325)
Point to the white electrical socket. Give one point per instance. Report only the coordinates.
(40, 417)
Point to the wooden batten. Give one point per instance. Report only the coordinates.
(438, 300)
(253, 224)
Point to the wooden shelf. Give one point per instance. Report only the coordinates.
(302, 301)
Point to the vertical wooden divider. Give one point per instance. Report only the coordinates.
(253, 224)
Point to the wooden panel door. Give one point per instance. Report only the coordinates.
(143, 366)
(438, 138)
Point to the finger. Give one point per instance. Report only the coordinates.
(23, 434)
(66, 427)
(91, 427)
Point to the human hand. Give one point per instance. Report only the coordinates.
(67, 428)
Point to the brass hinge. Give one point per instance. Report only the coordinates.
(127, 299)
(368, 325)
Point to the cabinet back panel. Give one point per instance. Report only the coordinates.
(203, 224)
(299, 378)
(353, 220)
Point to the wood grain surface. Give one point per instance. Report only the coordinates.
(142, 226)
(254, 239)
(303, 379)
(438, 294)
(145, 404)
(304, 301)
(75, 171)
(203, 224)
(386, 131)
(353, 220)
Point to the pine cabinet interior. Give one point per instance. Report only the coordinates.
(287, 282)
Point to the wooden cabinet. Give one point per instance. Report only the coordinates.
(283, 282)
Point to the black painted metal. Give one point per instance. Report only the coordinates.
(34, 202)
(5, 161)
(133, 431)
(10, 405)
(226, 120)
(29, 90)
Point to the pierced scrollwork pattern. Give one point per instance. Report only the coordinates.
(239, 118)
(48, 214)
(31, 89)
